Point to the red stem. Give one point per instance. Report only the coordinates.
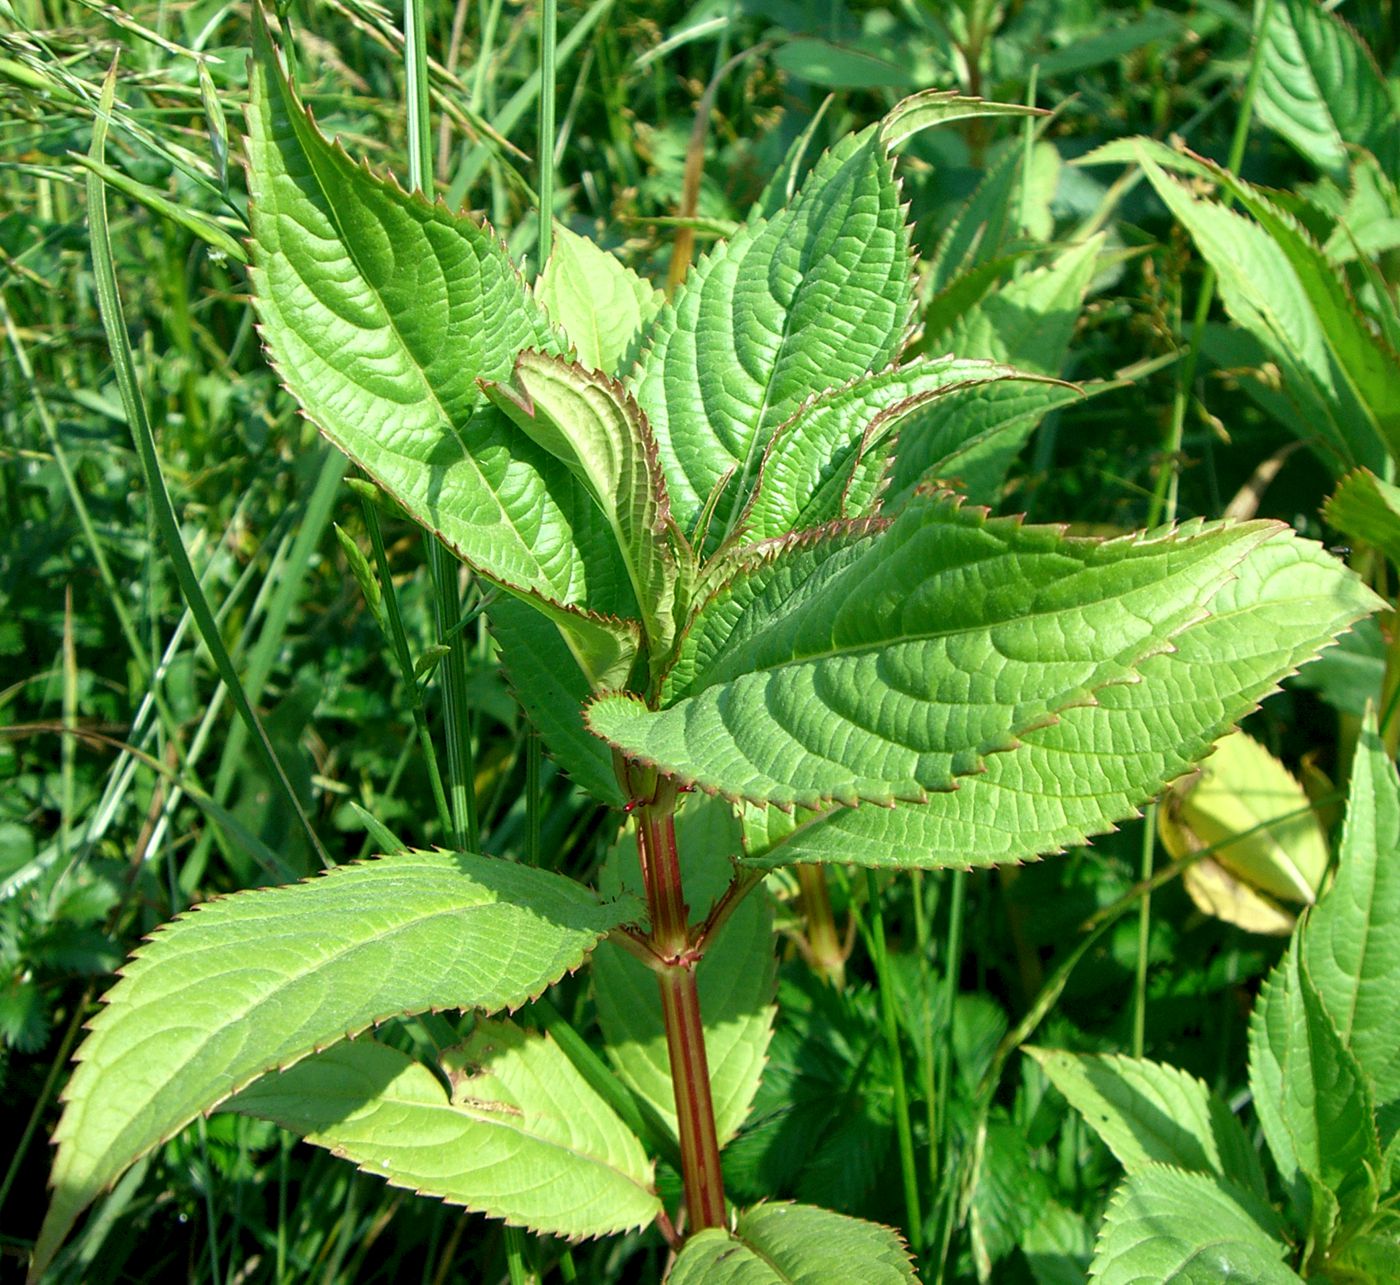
(680, 1006)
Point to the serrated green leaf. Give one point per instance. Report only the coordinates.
(785, 1244)
(829, 461)
(736, 977)
(1313, 1099)
(1349, 943)
(1150, 1113)
(808, 300)
(899, 665)
(381, 311)
(1098, 763)
(598, 301)
(522, 1136)
(552, 688)
(1320, 89)
(1367, 510)
(1262, 291)
(978, 232)
(1027, 323)
(933, 107)
(253, 982)
(591, 424)
(1165, 1226)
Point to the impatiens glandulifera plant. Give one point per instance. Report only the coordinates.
(742, 597)
(1324, 1076)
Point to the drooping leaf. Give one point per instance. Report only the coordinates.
(736, 977)
(521, 1137)
(808, 300)
(381, 311)
(1178, 1228)
(1148, 1113)
(1320, 89)
(786, 1244)
(1350, 944)
(1365, 509)
(1254, 816)
(253, 982)
(593, 427)
(933, 107)
(1314, 1101)
(598, 301)
(899, 666)
(829, 461)
(1094, 766)
(552, 688)
(1262, 291)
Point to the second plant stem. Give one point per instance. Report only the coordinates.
(675, 964)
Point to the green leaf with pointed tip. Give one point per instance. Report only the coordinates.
(1364, 360)
(522, 1137)
(1149, 1113)
(1027, 323)
(591, 424)
(737, 976)
(932, 107)
(1262, 291)
(1350, 943)
(598, 301)
(978, 232)
(786, 1244)
(1167, 1227)
(1320, 88)
(829, 460)
(244, 985)
(552, 688)
(808, 300)
(905, 660)
(1313, 1099)
(1098, 763)
(1367, 510)
(381, 311)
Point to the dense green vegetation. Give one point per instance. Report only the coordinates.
(231, 660)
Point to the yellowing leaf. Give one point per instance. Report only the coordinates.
(1267, 843)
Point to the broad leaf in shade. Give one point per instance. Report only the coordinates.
(785, 1244)
(590, 424)
(599, 302)
(244, 985)
(830, 460)
(381, 311)
(1176, 1228)
(1150, 1113)
(521, 1136)
(737, 977)
(1026, 323)
(1097, 764)
(808, 300)
(1320, 88)
(1350, 943)
(1365, 509)
(1313, 1099)
(900, 664)
(552, 688)
(1262, 290)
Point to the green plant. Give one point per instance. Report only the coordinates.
(1324, 1074)
(740, 597)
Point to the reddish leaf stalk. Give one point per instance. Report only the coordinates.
(680, 1006)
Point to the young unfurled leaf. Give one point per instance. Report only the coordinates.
(521, 1137)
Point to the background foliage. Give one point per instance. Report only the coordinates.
(130, 791)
